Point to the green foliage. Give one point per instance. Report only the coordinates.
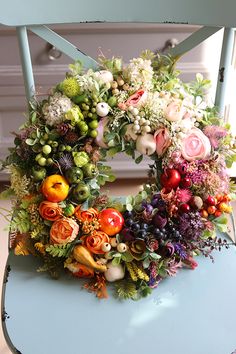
(135, 202)
(125, 289)
(105, 174)
(6, 194)
(59, 250)
(20, 221)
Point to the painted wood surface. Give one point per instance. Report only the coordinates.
(203, 12)
(193, 313)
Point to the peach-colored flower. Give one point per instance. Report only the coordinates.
(163, 140)
(196, 145)
(50, 211)
(85, 215)
(95, 241)
(135, 100)
(175, 111)
(64, 231)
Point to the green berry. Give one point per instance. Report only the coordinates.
(68, 148)
(42, 161)
(49, 161)
(112, 101)
(93, 124)
(69, 210)
(54, 144)
(37, 157)
(93, 133)
(90, 115)
(93, 110)
(47, 149)
(62, 147)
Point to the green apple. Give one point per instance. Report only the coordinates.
(90, 170)
(81, 192)
(74, 175)
(69, 210)
(39, 173)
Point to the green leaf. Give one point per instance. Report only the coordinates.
(30, 141)
(139, 159)
(153, 255)
(127, 257)
(116, 261)
(33, 117)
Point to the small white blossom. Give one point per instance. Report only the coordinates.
(55, 109)
(140, 73)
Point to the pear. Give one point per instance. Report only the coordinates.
(84, 256)
(145, 144)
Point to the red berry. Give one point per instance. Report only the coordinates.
(211, 200)
(217, 213)
(185, 208)
(186, 182)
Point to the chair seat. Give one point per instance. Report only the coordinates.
(193, 313)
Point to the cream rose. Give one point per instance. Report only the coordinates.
(195, 145)
(175, 111)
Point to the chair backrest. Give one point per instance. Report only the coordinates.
(201, 12)
(33, 14)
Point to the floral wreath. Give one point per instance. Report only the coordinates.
(57, 168)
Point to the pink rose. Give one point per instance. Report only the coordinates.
(175, 111)
(196, 145)
(136, 100)
(163, 141)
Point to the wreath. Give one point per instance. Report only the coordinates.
(58, 164)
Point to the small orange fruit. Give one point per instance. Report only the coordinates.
(204, 214)
(217, 213)
(211, 209)
(55, 188)
(223, 207)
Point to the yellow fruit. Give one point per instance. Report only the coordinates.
(55, 188)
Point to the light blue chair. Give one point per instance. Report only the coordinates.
(191, 314)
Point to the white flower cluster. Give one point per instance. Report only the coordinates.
(88, 82)
(55, 109)
(140, 73)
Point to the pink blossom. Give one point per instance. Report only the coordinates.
(101, 129)
(195, 145)
(215, 134)
(163, 141)
(136, 100)
(175, 111)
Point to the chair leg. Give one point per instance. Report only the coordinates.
(26, 62)
(224, 69)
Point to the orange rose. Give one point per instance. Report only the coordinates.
(85, 215)
(80, 270)
(64, 231)
(95, 241)
(50, 211)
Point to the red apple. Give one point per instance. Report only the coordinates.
(170, 179)
(111, 221)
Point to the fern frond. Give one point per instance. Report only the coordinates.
(21, 222)
(59, 250)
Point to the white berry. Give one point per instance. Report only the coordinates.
(146, 129)
(122, 247)
(106, 247)
(135, 111)
(102, 109)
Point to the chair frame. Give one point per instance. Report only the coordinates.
(214, 12)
